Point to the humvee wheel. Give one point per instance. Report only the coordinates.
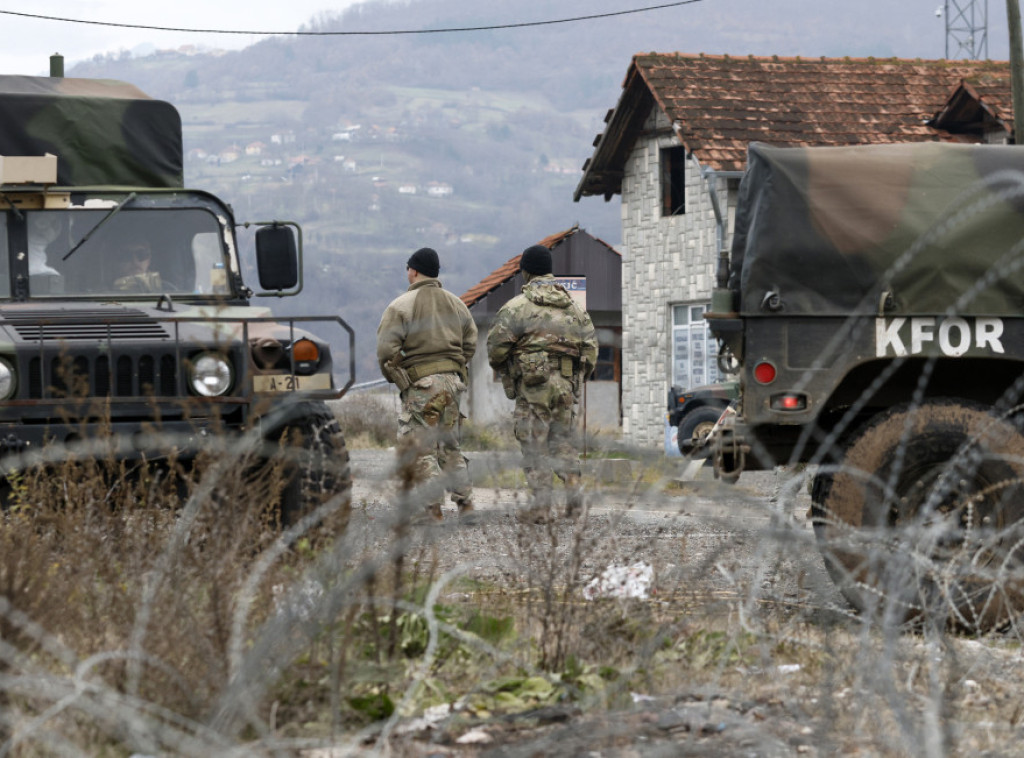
(316, 465)
(922, 520)
(694, 429)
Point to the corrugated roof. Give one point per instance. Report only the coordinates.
(719, 104)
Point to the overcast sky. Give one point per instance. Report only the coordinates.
(28, 43)
(906, 28)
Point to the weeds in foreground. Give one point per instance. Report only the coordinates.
(161, 610)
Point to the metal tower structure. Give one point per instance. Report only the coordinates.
(966, 29)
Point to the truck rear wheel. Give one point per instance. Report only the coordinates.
(316, 465)
(922, 519)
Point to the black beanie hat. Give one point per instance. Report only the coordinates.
(425, 261)
(536, 260)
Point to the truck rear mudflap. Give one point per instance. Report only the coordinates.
(729, 449)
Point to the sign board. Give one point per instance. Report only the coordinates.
(576, 286)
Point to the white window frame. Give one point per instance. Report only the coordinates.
(694, 349)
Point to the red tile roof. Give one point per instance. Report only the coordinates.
(719, 104)
(509, 269)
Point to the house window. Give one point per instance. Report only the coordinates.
(673, 181)
(694, 349)
(608, 366)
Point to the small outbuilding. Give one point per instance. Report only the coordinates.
(591, 270)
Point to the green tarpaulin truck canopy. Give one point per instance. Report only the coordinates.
(103, 132)
(831, 230)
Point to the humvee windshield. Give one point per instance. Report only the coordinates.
(124, 254)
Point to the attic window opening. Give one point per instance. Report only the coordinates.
(673, 181)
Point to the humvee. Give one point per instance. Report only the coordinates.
(694, 413)
(123, 309)
(872, 304)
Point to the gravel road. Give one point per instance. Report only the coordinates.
(699, 537)
(739, 561)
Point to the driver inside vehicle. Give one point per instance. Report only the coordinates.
(131, 269)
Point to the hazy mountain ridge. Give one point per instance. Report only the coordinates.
(504, 118)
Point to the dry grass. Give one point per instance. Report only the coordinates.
(168, 615)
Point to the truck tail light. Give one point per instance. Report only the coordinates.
(764, 372)
(788, 401)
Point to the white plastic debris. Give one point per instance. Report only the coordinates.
(789, 668)
(431, 719)
(621, 582)
(475, 737)
(299, 600)
(641, 698)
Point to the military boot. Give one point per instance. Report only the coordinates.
(539, 510)
(468, 514)
(431, 515)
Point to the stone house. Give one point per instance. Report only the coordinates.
(674, 149)
(590, 270)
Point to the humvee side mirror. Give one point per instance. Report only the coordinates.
(277, 258)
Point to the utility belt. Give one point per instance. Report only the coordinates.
(441, 366)
(536, 367)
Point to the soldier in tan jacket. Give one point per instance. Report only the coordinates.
(425, 341)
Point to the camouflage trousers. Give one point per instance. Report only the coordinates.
(545, 426)
(428, 436)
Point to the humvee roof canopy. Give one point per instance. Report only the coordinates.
(103, 132)
(830, 230)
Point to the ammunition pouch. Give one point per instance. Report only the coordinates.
(397, 375)
(533, 368)
(566, 366)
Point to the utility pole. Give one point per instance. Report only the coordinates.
(1016, 69)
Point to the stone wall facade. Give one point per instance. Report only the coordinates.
(666, 261)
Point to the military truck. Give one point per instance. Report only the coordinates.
(123, 311)
(873, 306)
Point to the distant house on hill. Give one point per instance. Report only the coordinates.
(590, 270)
(439, 189)
(674, 149)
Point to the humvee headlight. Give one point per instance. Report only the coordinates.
(211, 375)
(7, 383)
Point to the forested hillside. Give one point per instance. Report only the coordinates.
(469, 142)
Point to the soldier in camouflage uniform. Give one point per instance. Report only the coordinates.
(543, 346)
(425, 341)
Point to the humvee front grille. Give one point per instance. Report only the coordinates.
(57, 370)
(81, 376)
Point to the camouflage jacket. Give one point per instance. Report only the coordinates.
(543, 319)
(426, 323)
